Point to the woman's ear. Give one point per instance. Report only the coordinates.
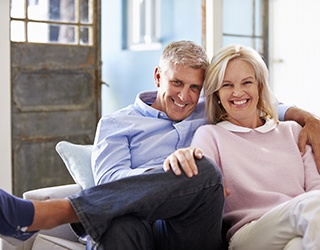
(218, 97)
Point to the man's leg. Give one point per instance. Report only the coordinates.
(190, 208)
(126, 232)
(153, 196)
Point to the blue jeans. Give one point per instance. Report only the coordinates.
(156, 210)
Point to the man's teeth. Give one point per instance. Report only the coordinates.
(179, 105)
(239, 102)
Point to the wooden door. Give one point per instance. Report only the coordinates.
(55, 90)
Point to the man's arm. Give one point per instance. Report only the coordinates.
(310, 133)
(111, 157)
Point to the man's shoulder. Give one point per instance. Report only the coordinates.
(121, 113)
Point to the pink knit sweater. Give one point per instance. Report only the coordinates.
(262, 167)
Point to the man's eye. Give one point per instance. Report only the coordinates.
(176, 82)
(196, 87)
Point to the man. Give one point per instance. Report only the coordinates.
(136, 205)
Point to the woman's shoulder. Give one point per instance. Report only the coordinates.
(290, 124)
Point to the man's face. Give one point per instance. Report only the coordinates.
(179, 89)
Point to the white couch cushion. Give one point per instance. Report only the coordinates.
(53, 243)
(77, 159)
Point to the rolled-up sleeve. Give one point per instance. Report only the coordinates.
(282, 109)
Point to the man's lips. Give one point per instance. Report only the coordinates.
(179, 104)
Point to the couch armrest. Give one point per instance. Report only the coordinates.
(55, 192)
(63, 231)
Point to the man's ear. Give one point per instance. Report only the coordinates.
(157, 76)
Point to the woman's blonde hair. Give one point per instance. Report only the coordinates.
(215, 75)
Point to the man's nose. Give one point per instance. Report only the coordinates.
(184, 93)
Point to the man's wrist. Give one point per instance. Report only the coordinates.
(300, 116)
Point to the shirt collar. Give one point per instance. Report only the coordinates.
(269, 125)
(143, 103)
(144, 100)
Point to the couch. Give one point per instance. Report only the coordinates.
(77, 159)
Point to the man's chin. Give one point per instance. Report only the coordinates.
(180, 117)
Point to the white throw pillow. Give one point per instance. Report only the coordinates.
(77, 159)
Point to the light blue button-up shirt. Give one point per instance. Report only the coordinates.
(139, 138)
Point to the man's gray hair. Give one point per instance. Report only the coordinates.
(185, 53)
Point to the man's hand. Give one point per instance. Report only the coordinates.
(310, 134)
(183, 159)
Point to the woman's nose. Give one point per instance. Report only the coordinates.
(238, 91)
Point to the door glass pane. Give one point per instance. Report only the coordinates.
(52, 21)
(17, 8)
(86, 35)
(19, 34)
(85, 11)
(67, 11)
(51, 33)
(53, 10)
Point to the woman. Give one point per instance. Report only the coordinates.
(271, 204)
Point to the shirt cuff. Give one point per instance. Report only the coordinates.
(282, 109)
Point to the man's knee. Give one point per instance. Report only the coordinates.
(209, 169)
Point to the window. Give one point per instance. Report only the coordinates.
(233, 21)
(246, 22)
(52, 21)
(143, 24)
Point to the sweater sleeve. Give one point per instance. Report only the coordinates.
(312, 177)
(205, 140)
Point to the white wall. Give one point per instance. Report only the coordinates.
(295, 52)
(5, 110)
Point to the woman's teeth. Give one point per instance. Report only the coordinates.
(239, 102)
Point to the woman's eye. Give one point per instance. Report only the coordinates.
(225, 85)
(247, 82)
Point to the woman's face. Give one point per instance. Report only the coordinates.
(239, 94)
